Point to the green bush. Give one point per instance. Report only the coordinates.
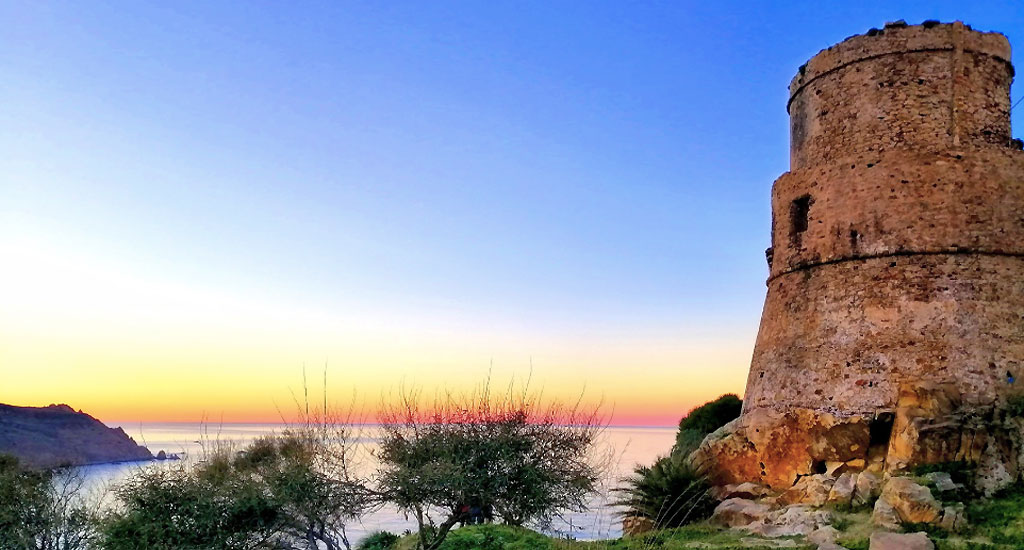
(381, 540)
(1015, 405)
(670, 493)
(705, 419)
(282, 490)
(508, 455)
(496, 537)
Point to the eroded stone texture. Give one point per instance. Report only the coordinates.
(910, 87)
(893, 330)
(900, 541)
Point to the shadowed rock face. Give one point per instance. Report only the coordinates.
(48, 437)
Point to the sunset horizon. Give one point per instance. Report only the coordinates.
(202, 201)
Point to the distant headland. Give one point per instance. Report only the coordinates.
(57, 435)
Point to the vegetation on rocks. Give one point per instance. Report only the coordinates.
(701, 421)
(669, 493)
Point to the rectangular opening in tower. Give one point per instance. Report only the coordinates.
(799, 212)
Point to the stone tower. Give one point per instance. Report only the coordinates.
(893, 327)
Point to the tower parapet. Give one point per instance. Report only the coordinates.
(923, 87)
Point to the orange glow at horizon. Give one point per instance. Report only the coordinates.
(127, 348)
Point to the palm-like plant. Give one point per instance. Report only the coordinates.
(669, 493)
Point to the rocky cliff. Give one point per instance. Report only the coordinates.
(47, 437)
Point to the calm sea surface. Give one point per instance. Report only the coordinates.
(624, 447)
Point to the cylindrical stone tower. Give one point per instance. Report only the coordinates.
(898, 233)
(897, 258)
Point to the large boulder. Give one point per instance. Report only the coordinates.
(900, 541)
(884, 515)
(746, 490)
(739, 512)
(867, 490)
(953, 519)
(930, 423)
(790, 521)
(758, 445)
(913, 502)
(812, 490)
(823, 535)
(843, 488)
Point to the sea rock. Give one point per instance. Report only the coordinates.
(884, 515)
(900, 541)
(913, 502)
(842, 490)
(867, 489)
(812, 490)
(162, 455)
(57, 435)
(739, 512)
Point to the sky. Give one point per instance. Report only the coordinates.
(201, 200)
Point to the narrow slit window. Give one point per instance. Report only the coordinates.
(798, 214)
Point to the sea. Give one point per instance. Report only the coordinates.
(621, 448)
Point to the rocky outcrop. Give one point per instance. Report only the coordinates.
(931, 424)
(57, 435)
(758, 446)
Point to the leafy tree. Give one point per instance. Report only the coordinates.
(210, 507)
(289, 491)
(705, 419)
(669, 493)
(480, 453)
(42, 510)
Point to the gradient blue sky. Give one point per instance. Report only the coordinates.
(214, 191)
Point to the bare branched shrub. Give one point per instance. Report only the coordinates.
(468, 457)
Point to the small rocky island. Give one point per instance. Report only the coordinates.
(57, 435)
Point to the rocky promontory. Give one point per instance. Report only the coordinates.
(57, 435)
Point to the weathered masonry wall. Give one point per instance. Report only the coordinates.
(898, 235)
(926, 88)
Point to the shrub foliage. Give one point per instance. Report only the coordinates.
(502, 454)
